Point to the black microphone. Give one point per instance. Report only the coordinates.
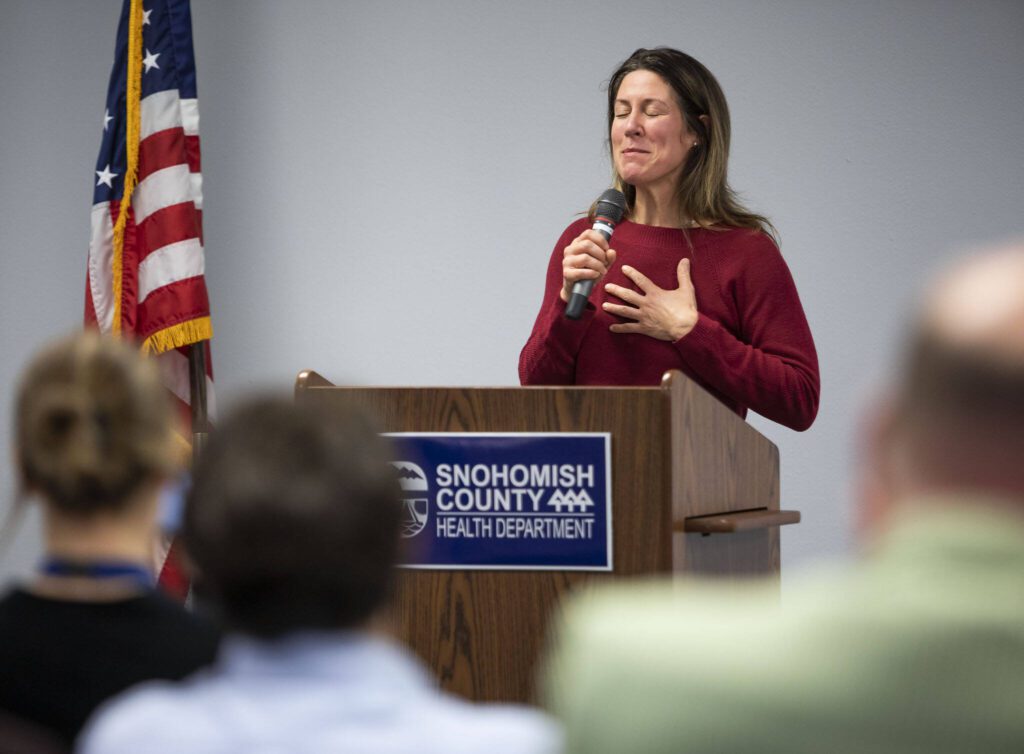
(611, 206)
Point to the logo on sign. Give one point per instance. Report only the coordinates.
(415, 504)
(506, 500)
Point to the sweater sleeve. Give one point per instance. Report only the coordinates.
(771, 366)
(549, 356)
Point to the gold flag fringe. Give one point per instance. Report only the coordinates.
(177, 336)
(132, 126)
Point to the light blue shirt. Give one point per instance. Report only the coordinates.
(312, 693)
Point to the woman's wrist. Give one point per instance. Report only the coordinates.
(682, 329)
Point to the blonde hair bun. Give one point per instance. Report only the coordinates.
(93, 424)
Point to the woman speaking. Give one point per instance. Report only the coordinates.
(694, 282)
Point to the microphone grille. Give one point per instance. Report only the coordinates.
(612, 205)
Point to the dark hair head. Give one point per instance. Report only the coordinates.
(293, 518)
(703, 193)
(93, 424)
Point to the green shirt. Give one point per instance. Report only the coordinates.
(919, 648)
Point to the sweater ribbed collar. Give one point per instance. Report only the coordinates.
(652, 235)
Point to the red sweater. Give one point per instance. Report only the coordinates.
(751, 346)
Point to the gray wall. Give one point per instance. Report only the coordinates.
(384, 181)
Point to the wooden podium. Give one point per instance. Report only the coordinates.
(695, 489)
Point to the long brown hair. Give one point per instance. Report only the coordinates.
(703, 194)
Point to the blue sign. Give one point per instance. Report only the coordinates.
(481, 500)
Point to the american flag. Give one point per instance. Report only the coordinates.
(146, 273)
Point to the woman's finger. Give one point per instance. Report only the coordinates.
(683, 273)
(591, 248)
(594, 237)
(641, 280)
(685, 281)
(627, 327)
(630, 312)
(626, 294)
(580, 261)
(580, 273)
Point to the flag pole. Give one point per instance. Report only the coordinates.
(197, 391)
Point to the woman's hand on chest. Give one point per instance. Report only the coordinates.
(664, 314)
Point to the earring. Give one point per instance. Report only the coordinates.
(695, 145)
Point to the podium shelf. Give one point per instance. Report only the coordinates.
(727, 523)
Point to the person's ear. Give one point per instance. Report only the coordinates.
(697, 141)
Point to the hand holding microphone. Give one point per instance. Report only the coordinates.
(588, 257)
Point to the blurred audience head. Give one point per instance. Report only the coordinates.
(92, 426)
(956, 418)
(293, 519)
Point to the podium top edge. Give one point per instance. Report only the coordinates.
(492, 388)
(309, 379)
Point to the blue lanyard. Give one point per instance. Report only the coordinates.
(99, 570)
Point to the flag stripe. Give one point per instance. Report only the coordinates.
(173, 304)
(90, 311)
(161, 189)
(190, 115)
(196, 184)
(179, 222)
(192, 155)
(169, 264)
(160, 111)
(101, 254)
(163, 150)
